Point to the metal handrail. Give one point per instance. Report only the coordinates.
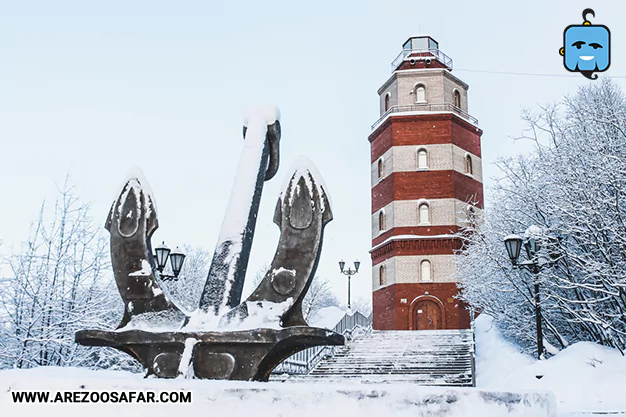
(473, 329)
(445, 107)
(419, 54)
(304, 361)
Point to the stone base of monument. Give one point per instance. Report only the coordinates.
(248, 355)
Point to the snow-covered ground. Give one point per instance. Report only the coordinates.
(327, 317)
(585, 377)
(242, 399)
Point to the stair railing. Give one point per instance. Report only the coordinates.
(351, 325)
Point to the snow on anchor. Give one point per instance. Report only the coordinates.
(301, 213)
(258, 163)
(223, 338)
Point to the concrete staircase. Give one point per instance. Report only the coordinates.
(428, 357)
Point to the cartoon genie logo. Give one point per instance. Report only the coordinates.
(586, 48)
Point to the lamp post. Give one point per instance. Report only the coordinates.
(177, 258)
(513, 245)
(349, 272)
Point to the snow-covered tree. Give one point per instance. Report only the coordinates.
(187, 289)
(573, 188)
(318, 296)
(362, 305)
(59, 283)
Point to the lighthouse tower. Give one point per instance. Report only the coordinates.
(426, 187)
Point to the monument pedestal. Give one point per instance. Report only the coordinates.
(248, 355)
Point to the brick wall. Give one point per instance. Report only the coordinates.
(406, 269)
(425, 185)
(388, 161)
(432, 81)
(446, 212)
(451, 84)
(406, 65)
(438, 82)
(382, 142)
(415, 231)
(466, 136)
(439, 158)
(391, 313)
(391, 89)
(427, 129)
(417, 247)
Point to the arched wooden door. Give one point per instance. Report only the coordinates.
(428, 315)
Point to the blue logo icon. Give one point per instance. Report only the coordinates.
(586, 48)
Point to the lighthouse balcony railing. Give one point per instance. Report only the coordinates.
(427, 108)
(421, 54)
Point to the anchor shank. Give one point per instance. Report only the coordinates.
(230, 259)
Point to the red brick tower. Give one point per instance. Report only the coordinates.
(426, 168)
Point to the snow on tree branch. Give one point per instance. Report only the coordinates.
(573, 188)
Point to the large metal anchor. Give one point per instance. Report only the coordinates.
(259, 163)
(222, 339)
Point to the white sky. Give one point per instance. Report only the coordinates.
(93, 89)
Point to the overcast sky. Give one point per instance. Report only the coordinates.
(94, 88)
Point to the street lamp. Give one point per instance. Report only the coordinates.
(349, 272)
(513, 244)
(177, 258)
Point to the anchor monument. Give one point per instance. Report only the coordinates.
(223, 338)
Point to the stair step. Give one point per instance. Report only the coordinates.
(390, 371)
(354, 360)
(437, 357)
(404, 358)
(383, 372)
(427, 382)
(335, 365)
(409, 353)
(385, 377)
(401, 358)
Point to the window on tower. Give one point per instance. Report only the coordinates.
(380, 168)
(381, 221)
(422, 159)
(420, 93)
(457, 98)
(425, 271)
(382, 275)
(424, 214)
(387, 101)
(468, 165)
